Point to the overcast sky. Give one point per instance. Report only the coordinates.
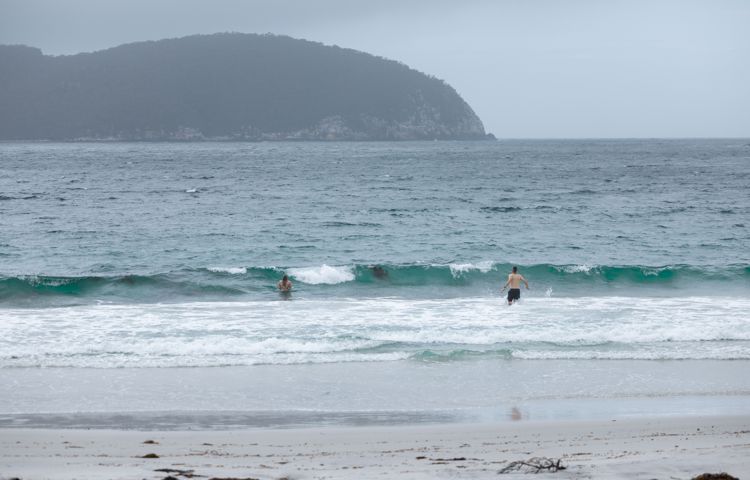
(529, 68)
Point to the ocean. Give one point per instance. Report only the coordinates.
(120, 258)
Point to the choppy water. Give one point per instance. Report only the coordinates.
(167, 254)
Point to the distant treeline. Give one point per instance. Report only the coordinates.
(225, 86)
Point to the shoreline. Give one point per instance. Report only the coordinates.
(530, 411)
(478, 391)
(633, 448)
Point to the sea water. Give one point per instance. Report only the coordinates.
(158, 256)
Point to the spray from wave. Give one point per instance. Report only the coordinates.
(323, 274)
(229, 270)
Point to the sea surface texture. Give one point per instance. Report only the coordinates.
(167, 255)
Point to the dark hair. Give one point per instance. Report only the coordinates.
(515, 269)
(284, 278)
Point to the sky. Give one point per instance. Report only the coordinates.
(528, 68)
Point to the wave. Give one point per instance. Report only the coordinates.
(487, 272)
(360, 279)
(462, 273)
(120, 287)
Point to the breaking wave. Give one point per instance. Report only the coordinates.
(222, 282)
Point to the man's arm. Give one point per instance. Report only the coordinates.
(525, 282)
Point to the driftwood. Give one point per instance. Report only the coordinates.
(534, 465)
(233, 478)
(191, 474)
(178, 473)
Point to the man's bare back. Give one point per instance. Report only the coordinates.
(514, 281)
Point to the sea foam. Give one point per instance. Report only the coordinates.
(376, 329)
(230, 270)
(323, 274)
(457, 269)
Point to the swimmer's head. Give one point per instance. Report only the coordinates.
(515, 269)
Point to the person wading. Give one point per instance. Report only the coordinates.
(514, 281)
(284, 285)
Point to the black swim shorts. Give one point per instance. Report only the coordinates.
(514, 294)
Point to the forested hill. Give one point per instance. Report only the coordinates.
(225, 87)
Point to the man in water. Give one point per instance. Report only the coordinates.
(285, 286)
(379, 272)
(514, 280)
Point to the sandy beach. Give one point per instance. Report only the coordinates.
(663, 448)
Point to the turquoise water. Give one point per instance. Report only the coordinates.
(166, 255)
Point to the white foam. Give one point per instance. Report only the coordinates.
(578, 268)
(652, 272)
(231, 270)
(47, 282)
(376, 329)
(457, 269)
(322, 274)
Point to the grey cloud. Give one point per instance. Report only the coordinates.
(535, 68)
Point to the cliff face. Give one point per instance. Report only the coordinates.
(225, 87)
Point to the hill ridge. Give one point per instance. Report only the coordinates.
(225, 86)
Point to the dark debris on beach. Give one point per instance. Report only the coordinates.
(715, 476)
(534, 465)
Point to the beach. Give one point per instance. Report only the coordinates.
(470, 419)
(642, 448)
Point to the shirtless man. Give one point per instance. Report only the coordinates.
(285, 285)
(514, 280)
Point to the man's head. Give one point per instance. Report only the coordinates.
(515, 269)
(285, 279)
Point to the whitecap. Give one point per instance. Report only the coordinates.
(578, 268)
(458, 269)
(323, 274)
(230, 270)
(653, 272)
